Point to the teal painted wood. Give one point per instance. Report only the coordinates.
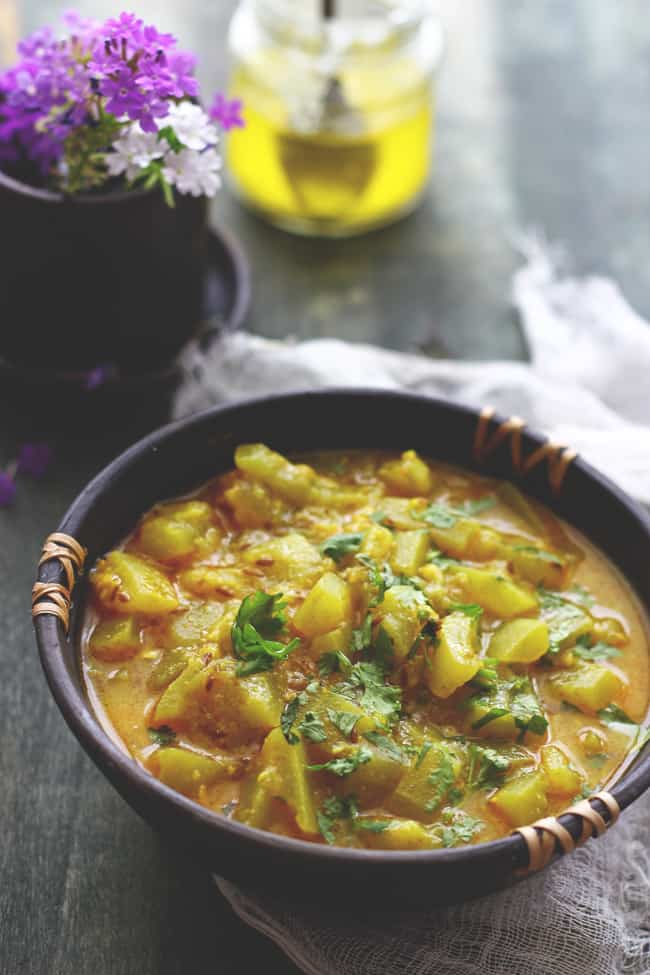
(543, 120)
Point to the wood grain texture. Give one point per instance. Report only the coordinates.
(543, 120)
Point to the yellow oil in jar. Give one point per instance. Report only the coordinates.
(331, 183)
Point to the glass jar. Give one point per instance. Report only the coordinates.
(339, 110)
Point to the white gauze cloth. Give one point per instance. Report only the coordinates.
(586, 386)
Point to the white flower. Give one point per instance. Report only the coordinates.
(133, 151)
(191, 126)
(196, 173)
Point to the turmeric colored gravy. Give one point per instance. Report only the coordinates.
(367, 649)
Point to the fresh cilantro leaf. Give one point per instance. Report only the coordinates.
(333, 662)
(339, 546)
(477, 506)
(441, 779)
(598, 651)
(343, 720)
(164, 735)
(335, 807)
(422, 754)
(491, 715)
(312, 728)
(376, 695)
(613, 714)
(563, 618)
(383, 648)
(260, 618)
(446, 516)
(485, 766)
(374, 825)
(438, 558)
(541, 553)
(385, 745)
(344, 764)
(473, 610)
(376, 579)
(288, 717)
(527, 713)
(440, 516)
(362, 637)
(581, 595)
(459, 827)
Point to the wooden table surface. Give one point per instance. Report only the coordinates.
(544, 108)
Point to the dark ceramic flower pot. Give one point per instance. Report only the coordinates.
(85, 280)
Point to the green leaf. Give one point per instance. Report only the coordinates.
(459, 827)
(376, 695)
(362, 637)
(599, 650)
(164, 735)
(438, 558)
(545, 556)
(260, 618)
(168, 133)
(440, 516)
(332, 662)
(527, 712)
(335, 807)
(422, 754)
(288, 717)
(343, 720)
(375, 825)
(473, 610)
(339, 546)
(385, 745)
(383, 649)
(345, 764)
(581, 595)
(491, 715)
(312, 728)
(613, 714)
(486, 766)
(476, 507)
(442, 779)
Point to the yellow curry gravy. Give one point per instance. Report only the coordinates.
(367, 649)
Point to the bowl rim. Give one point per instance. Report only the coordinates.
(78, 711)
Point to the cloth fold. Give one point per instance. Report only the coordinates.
(586, 386)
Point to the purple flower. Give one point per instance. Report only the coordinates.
(227, 112)
(34, 459)
(7, 490)
(97, 377)
(123, 97)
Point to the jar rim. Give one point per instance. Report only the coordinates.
(403, 16)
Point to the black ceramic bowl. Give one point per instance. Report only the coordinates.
(182, 456)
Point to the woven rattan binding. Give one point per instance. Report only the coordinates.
(488, 438)
(53, 598)
(548, 836)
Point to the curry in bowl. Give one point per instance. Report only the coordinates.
(368, 650)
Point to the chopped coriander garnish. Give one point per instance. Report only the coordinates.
(374, 825)
(333, 808)
(472, 610)
(343, 720)
(385, 745)
(164, 735)
(332, 662)
(340, 546)
(367, 684)
(458, 827)
(597, 651)
(541, 553)
(442, 780)
(613, 714)
(289, 715)
(485, 766)
(440, 516)
(259, 619)
(476, 507)
(422, 754)
(312, 728)
(581, 595)
(344, 764)
(362, 637)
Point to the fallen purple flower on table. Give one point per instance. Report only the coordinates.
(96, 377)
(34, 459)
(227, 112)
(7, 490)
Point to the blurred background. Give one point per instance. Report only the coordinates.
(543, 122)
